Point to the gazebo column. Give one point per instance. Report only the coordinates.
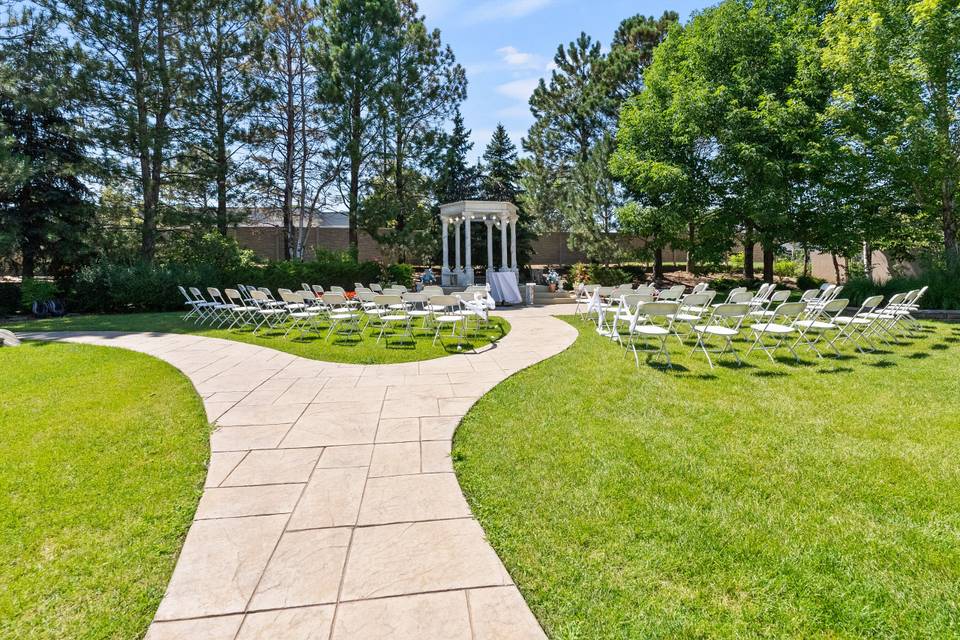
(513, 244)
(503, 244)
(446, 245)
(468, 258)
(456, 230)
(490, 266)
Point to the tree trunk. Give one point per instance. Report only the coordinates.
(28, 262)
(354, 197)
(658, 264)
(806, 261)
(748, 245)
(950, 245)
(148, 244)
(290, 138)
(691, 238)
(768, 259)
(868, 261)
(836, 266)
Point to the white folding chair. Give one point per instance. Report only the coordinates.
(723, 324)
(445, 311)
(857, 327)
(341, 315)
(691, 311)
(770, 334)
(656, 327)
(394, 314)
(819, 325)
(270, 314)
(673, 293)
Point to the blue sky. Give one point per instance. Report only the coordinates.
(507, 45)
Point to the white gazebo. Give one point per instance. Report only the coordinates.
(461, 216)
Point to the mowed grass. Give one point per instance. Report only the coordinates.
(102, 459)
(819, 500)
(356, 349)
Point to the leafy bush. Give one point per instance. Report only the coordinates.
(784, 268)
(805, 282)
(580, 273)
(32, 290)
(608, 276)
(735, 262)
(108, 287)
(401, 274)
(9, 297)
(210, 249)
(944, 292)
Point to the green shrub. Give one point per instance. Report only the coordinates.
(32, 290)
(805, 282)
(608, 276)
(209, 249)
(735, 262)
(944, 292)
(580, 273)
(401, 274)
(785, 268)
(9, 297)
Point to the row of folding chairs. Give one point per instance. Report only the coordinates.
(643, 324)
(309, 310)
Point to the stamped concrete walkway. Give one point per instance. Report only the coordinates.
(331, 511)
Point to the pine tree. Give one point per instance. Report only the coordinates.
(45, 208)
(221, 91)
(454, 179)
(501, 182)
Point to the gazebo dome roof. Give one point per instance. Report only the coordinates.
(478, 210)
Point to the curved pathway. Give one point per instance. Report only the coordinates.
(331, 511)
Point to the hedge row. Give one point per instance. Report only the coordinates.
(108, 288)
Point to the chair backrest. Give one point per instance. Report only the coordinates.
(362, 289)
(701, 287)
(197, 295)
(304, 286)
(725, 314)
(185, 294)
(366, 296)
(393, 291)
(696, 303)
(735, 291)
(809, 294)
(317, 289)
(825, 285)
(740, 297)
(334, 300)
(257, 296)
(835, 306)
(645, 289)
(357, 285)
(669, 294)
(780, 296)
(287, 296)
(447, 302)
(339, 291)
(376, 287)
(920, 294)
(265, 291)
(825, 290)
(386, 300)
(788, 310)
(214, 294)
(729, 310)
(870, 304)
(432, 290)
(605, 291)
(417, 299)
(660, 309)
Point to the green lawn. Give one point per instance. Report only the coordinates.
(336, 349)
(774, 500)
(102, 459)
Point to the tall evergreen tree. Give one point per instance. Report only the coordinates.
(221, 91)
(354, 45)
(426, 84)
(45, 208)
(134, 47)
(501, 182)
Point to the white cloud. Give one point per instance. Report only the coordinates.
(519, 89)
(519, 110)
(516, 58)
(504, 10)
